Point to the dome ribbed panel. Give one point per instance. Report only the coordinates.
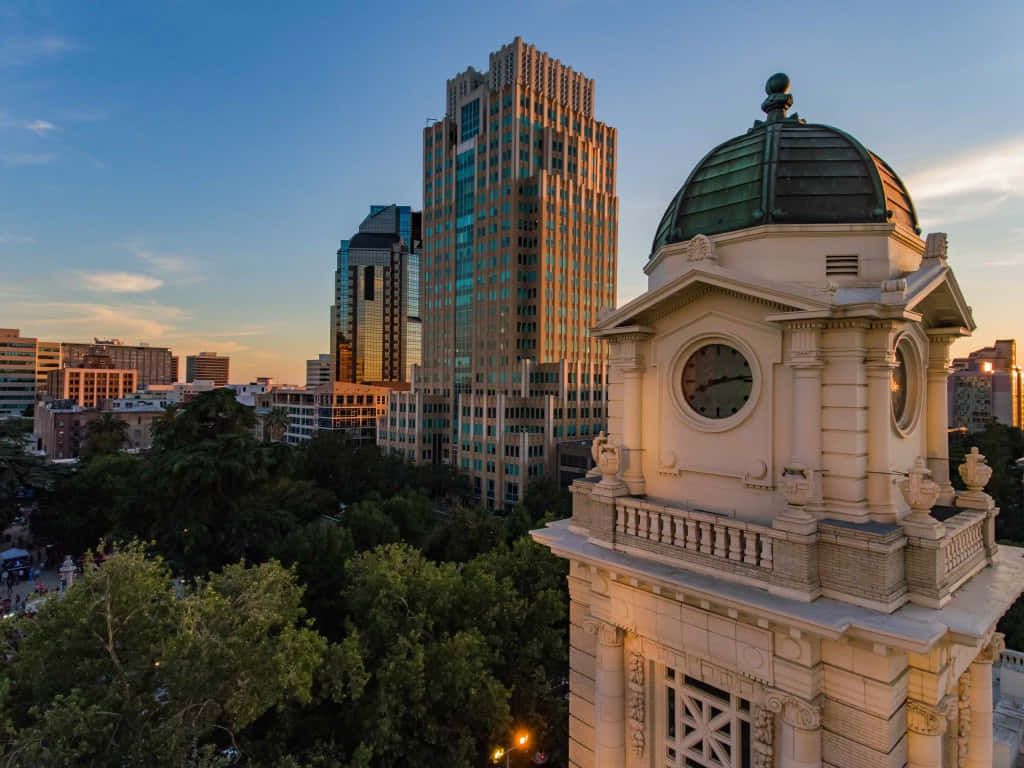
(724, 193)
(785, 172)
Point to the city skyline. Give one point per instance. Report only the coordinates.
(149, 218)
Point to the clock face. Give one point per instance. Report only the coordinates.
(717, 381)
(898, 387)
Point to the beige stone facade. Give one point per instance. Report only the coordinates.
(769, 565)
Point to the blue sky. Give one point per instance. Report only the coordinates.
(181, 172)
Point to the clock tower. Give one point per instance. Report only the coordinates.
(770, 566)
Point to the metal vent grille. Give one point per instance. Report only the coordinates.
(842, 265)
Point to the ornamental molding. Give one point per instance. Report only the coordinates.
(793, 711)
(925, 719)
(637, 703)
(963, 731)
(763, 721)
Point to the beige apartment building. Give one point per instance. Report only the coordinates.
(769, 565)
(208, 366)
(88, 386)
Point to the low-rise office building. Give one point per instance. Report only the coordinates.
(62, 426)
(352, 409)
(88, 386)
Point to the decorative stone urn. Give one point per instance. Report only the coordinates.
(607, 457)
(975, 472)
(921, 493)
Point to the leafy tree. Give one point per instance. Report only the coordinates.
(275, 423)
(100, 499)
(21, 474)
(369, 526)
(105, 435)
(121, 671)
(210, 415)
(546, 498)
(421, 686)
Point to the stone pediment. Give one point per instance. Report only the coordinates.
(935, 294)
(698, 282)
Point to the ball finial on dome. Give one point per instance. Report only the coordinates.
(777, 83)
(779, 100)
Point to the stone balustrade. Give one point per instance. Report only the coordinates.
(878, 565)
(1010, 659)
(692, 533)
(963, 545)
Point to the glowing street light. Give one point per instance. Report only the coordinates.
(520, 742)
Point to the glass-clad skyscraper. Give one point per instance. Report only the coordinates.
(375, 321)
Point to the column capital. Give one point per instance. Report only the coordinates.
(925, 719)
(992, 651)
(792, 710)
(607, 634)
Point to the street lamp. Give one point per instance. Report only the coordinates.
(520, 742)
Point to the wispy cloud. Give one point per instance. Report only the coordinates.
(10, 237)
(26, 51)
(148, 322)
(119, 282)
(41, 127)
(971, 185)
(174, 268)
(26, 158)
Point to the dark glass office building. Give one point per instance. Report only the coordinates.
(376, 332)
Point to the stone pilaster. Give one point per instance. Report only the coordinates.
(926, 726)
(805, 360)
(798, 729)
(937, 404)
(979, 735)
(881, 501)
(610, 695)
(628, 354)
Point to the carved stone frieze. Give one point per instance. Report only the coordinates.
(763, 721)
(963, 731)
(925, 719)
(796, 712)
(637, 703)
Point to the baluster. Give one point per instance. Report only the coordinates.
(692, 535)
(720, 534)
(665, 532)
(706, 544)
(766, 552)
(750, 554)
(735, 544)
(620, 520)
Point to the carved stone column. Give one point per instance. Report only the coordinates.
(926, 726)
(799, 732)
(937, 404)
(979, 736)
(610, 697)
(880, 365)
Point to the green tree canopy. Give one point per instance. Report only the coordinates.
(122, 671)
(105, 435)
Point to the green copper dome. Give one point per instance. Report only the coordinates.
(785, 171)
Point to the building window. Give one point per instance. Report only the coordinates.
(703, 726)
